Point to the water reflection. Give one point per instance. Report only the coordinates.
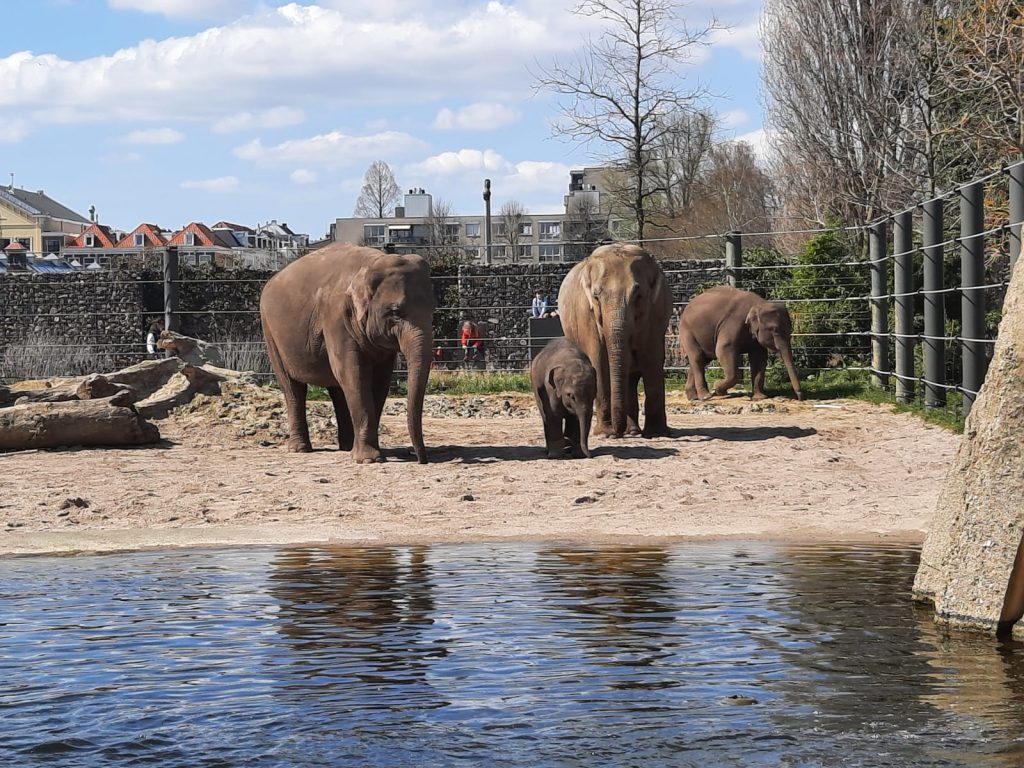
(736, 654)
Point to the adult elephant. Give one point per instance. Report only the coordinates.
(337, 318)
(725, 323)
(615, 305)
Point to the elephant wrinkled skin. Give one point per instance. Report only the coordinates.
(337, 318)
(615, 305)
(725, 323)
(564, 385)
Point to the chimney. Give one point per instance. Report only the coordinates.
(92, 213)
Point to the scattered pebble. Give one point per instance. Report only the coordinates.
(467, 497)
(584, 500)
(77, 501)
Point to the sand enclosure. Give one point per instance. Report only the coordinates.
(732, 469)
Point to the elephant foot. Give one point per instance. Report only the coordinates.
(368, 456)
(759, 396)
(632, 431)
(604, 430)
(661, 430)
(708, 396)
(296, 445)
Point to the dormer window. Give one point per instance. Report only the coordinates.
(90, 241)
(190, 238)
(140, 239)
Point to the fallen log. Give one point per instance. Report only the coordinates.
(104, 421)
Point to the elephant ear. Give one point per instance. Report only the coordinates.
(553, 376)
(360, 293)
(753, 320)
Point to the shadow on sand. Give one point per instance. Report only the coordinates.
(742, 434)
(486, 454)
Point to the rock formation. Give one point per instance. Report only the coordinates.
(970, 567)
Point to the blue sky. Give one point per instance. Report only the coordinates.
(169, 111)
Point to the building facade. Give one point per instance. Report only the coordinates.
(567, 235)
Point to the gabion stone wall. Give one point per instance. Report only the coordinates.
(100, 318)
(500, 297)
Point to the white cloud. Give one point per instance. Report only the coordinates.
(154, 136)
(303, 176)
(481, 116)
(194, 9)
(760, 140)
(219, 184)
(330, 149)
(12, 131)
(745, 38)
(529, 181)
(278, 117)
(734, 118)
(310, 53)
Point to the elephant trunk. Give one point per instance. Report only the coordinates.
(416, 344)
(786, 353)
(586, 417)
(618, 368)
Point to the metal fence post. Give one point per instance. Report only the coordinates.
(879, 306)
(934, 311)
(734, 258)
(972, 299)
(1016, 210)
(171, 288)
(903, 285)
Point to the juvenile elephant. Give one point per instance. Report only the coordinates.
(338, 318)
(615, 305)
(725, 323)
(564, 386)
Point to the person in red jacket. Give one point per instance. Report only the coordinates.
(472, 342)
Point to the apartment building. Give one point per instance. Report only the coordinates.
(567, 235)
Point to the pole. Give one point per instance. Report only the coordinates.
(903, 279)
(934, 311)
(1016, 174)
(487, 221)
(879, 306)
(733, 258)
(171, 288)
(972, 300)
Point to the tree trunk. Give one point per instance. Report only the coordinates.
(106, 421)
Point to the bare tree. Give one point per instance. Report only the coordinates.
(512, 215)
(586, 225)
(681, 156)
(380, 192)
(443, 234)
(621, 86)
(838, 84)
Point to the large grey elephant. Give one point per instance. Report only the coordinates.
(337, 318)
(615, 305)
(725, 323)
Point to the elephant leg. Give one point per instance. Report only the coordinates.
(554, 434)
(294, 400)
(572, 436)
(696, 383)
(758, 366)
(356, 377)
(633, 403)
(602, 403)
(343, 417)
(382, 373)
(655, 420)
(729, 358)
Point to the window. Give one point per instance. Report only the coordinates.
(550, 230)
(473, 229)
(526, 228)
(90, 240)
(451, 231)
(549, 252)
(140, 239)
(190, 238)
(526, 252)
(472, 253)
(205, 258)
(498, 229)
(374, 234)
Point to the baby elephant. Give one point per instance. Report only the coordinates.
(565, 385)
(727, 323)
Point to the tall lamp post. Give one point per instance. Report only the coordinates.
(487, 222)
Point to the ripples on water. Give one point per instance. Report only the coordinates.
(725, 654)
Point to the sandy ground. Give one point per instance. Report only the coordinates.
(841, 470)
